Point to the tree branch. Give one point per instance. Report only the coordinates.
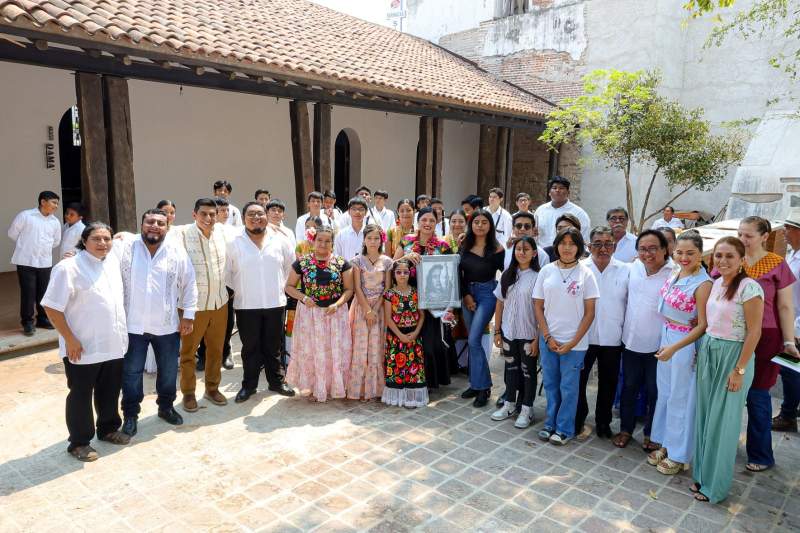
(647, 197)
(654, 213)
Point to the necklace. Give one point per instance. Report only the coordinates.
(571, 271)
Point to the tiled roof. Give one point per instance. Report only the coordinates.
(296, 38)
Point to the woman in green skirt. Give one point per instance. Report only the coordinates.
(724, 370)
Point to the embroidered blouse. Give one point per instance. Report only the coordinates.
(773, 274)
(405, 309)
(434, 246)
(322, 280)
(677, 302)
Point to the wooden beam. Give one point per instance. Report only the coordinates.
(119, 142)
(322, 147)
(94, 179)
(487, 153)
(425, 150)
(301, 153)
(438, 152)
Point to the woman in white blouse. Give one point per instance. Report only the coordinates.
(85, 303)
(563, 300)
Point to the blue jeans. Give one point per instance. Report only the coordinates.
(791, 393)
(167, 351)
(561, 376)
(759, 427)
(476, 321)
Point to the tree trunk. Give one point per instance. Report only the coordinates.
(629, 193)
(654, 213)
(647, 197)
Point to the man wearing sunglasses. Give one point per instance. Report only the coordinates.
(617, 219)
(523, 224)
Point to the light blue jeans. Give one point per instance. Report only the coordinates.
(561, 376)
(476, 321)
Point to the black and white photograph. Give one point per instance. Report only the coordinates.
(438, 282)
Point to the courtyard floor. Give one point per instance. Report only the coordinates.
(288, 464)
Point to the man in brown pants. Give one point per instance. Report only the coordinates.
(204, 242)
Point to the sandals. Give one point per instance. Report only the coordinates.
(755, 467)
(654, 458)
(694, 488)
(668, 467)
(650, 446)
(116, 437)
(699, 496)
(85, 454)
(622, 439)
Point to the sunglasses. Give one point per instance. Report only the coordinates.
(523, 226)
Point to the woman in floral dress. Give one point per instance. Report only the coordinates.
(405, 226)
(321, 349)
(371, 277)
(405, 361)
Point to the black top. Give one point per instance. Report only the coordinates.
(321, 281)
(476, 269)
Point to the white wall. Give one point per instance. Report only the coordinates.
(460, 162)
(33, 99)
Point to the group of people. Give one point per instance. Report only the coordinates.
(333, 308)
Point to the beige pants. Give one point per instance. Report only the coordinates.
(208, 325)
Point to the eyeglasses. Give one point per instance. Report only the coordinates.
(358, 209)
(599, 245)
(617, 219)
(256, 214)
(649, 250)
(523, 226)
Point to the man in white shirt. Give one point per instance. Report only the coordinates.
(523, 201)
(500, 216)
(605, 334)
(314, 200)
(787, 418)
(523, 224)
(73, 227)
(36, 232)
(625, 250)
(349, 241)
(160, 304)
(205, 244)
(382, 213)
(668, 220)
(223, 189)
(546, 214)
(276, 210)
(333, 213)
(262, 196)
(258, 264)
(365, 194)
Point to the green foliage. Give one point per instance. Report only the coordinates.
(622, 116)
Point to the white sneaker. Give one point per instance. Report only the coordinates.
(507, 411)
(525, 418)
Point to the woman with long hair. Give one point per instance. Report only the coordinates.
(168, 206)
(777, 335)
(683, 307)
(458, 228)
(481, 258)
(322, 343)
(515, 332)
(725, 369)
(412, 248)
(404, 226)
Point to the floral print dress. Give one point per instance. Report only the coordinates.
(405, 362)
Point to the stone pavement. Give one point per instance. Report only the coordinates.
(288, 464)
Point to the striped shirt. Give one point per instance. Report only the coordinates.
(518, 321)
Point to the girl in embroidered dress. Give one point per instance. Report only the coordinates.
(683, 306)
(322, 341)
(371, 277)
(405, 225)
(777, 335)
(405, 361)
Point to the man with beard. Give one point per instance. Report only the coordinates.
(617, 219)
(160, 304)
(258, 264)
(559, 204)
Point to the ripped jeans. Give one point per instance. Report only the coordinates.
(520, 371)
(561, 376)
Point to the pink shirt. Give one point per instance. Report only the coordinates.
(726, 317)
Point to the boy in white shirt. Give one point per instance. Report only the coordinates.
(384, 215)
(315, 200)
(501, 217)
(548, 213)
(223, 189)
(73, 227)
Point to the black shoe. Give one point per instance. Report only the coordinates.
(227, 362)
(28, 330)
(501, 400)
(171, 416)
(129, 426)
(481, 399)
(243, 395)
(469, 393)
(201, 364)
(604, 432)
(44, 324)
(283, 389)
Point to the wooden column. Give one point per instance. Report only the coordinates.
(508, 201)
(121, 186)
(487, 153)
(438, 152)
(301, 153)
(322, 147)
(501, 160)
(94, 167)
(425, 156)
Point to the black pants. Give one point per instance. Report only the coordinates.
(260, 331)
(519, 373)
(607, 358)
(638, 370)
(437, 370)
(99, 383)
(32, 286)
(226, 346)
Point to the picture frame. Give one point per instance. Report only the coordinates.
(437, 282)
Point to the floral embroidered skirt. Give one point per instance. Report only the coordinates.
(321, 348)
(366, 365)
(405, 373)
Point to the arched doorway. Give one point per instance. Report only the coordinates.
(346, 166)
(69, 156)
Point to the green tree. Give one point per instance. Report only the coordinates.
(622, 116)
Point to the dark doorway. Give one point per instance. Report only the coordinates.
(341, 170)
(69, 156)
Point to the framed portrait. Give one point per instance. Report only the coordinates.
(437, 282)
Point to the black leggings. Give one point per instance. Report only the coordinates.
(520, 371)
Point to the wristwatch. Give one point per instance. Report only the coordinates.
(739, 371)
